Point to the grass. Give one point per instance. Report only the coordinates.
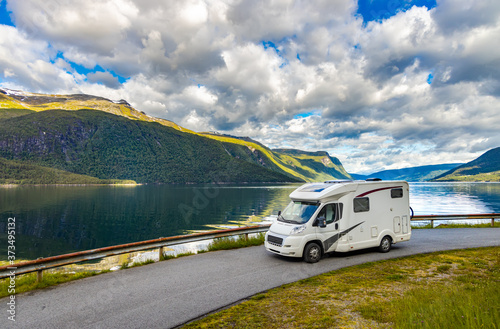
(167, 256)
(136, 264)
(27, 282)
(481, 225)
(452, 289)
(227, 243)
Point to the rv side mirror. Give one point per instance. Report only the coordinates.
(321, 222)
(279, 213)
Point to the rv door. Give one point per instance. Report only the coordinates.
(327, 225)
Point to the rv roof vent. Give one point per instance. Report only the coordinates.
(373, 179)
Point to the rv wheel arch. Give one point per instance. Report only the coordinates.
(313, 252)
(385, 244)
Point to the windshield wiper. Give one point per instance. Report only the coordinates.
(282, 219)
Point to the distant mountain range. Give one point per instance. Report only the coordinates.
(412, 174)
(60, 139)
(486, 168)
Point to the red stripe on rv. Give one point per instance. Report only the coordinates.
(376, 190)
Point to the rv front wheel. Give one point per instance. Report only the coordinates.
(312, 253)
(385, 244)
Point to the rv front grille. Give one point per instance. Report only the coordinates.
(274, 240)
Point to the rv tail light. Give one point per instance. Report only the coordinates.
(298, 229)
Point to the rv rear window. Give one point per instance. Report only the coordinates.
(396, 193)
(361, 204)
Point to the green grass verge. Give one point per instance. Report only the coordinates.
(452, 289)
(227, 243)
(27, 282)
(167, 256)
(482, 225)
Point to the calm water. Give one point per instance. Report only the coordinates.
(52, 220)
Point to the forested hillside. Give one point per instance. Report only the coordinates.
(104, 139)
(107, 146)
(486, 168)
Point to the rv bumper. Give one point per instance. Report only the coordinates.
(291, 246)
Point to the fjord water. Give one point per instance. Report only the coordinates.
(53, 220)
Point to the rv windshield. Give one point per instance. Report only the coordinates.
(298, 212)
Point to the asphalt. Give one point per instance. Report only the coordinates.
(170, 293)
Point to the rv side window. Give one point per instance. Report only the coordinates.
(328, 212)
(396, 193)
(361, 204)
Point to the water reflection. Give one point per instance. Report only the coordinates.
(454, 198)
(52, 220)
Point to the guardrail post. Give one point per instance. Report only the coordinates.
(432, 223)
(160, 253)
(246, 236)
(493, 222)
(39, 276)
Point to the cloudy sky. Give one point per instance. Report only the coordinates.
(379, 84)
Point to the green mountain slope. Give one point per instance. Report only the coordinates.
(16, 172)
(306, 166)
(411, 174)
(313, 166)
(300, 166)
(486, 168)
(107, 146)
(18, 100)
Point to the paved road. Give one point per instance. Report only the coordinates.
(170, 293)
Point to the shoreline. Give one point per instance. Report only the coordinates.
(131, 184)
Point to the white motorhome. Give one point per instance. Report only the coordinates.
(341, 216)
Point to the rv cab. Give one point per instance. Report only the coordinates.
(341, 216)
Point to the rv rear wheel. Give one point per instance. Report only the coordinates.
(385, 244)
(312, 253)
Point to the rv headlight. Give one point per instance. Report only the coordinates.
(298, 229)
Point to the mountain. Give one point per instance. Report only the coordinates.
(23, 101)
(107, 146)
(412, 174)
(313, 166)
(107, 140)
(486, 168)
(16, 172)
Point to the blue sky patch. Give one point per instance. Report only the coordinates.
(269, 44)
(80, 69)
(4, 14)
(430, 78)
(305, 115)
(377, 10)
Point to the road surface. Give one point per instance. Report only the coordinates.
(170, 293)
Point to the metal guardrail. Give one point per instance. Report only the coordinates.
(41, 264)
(432, 218)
